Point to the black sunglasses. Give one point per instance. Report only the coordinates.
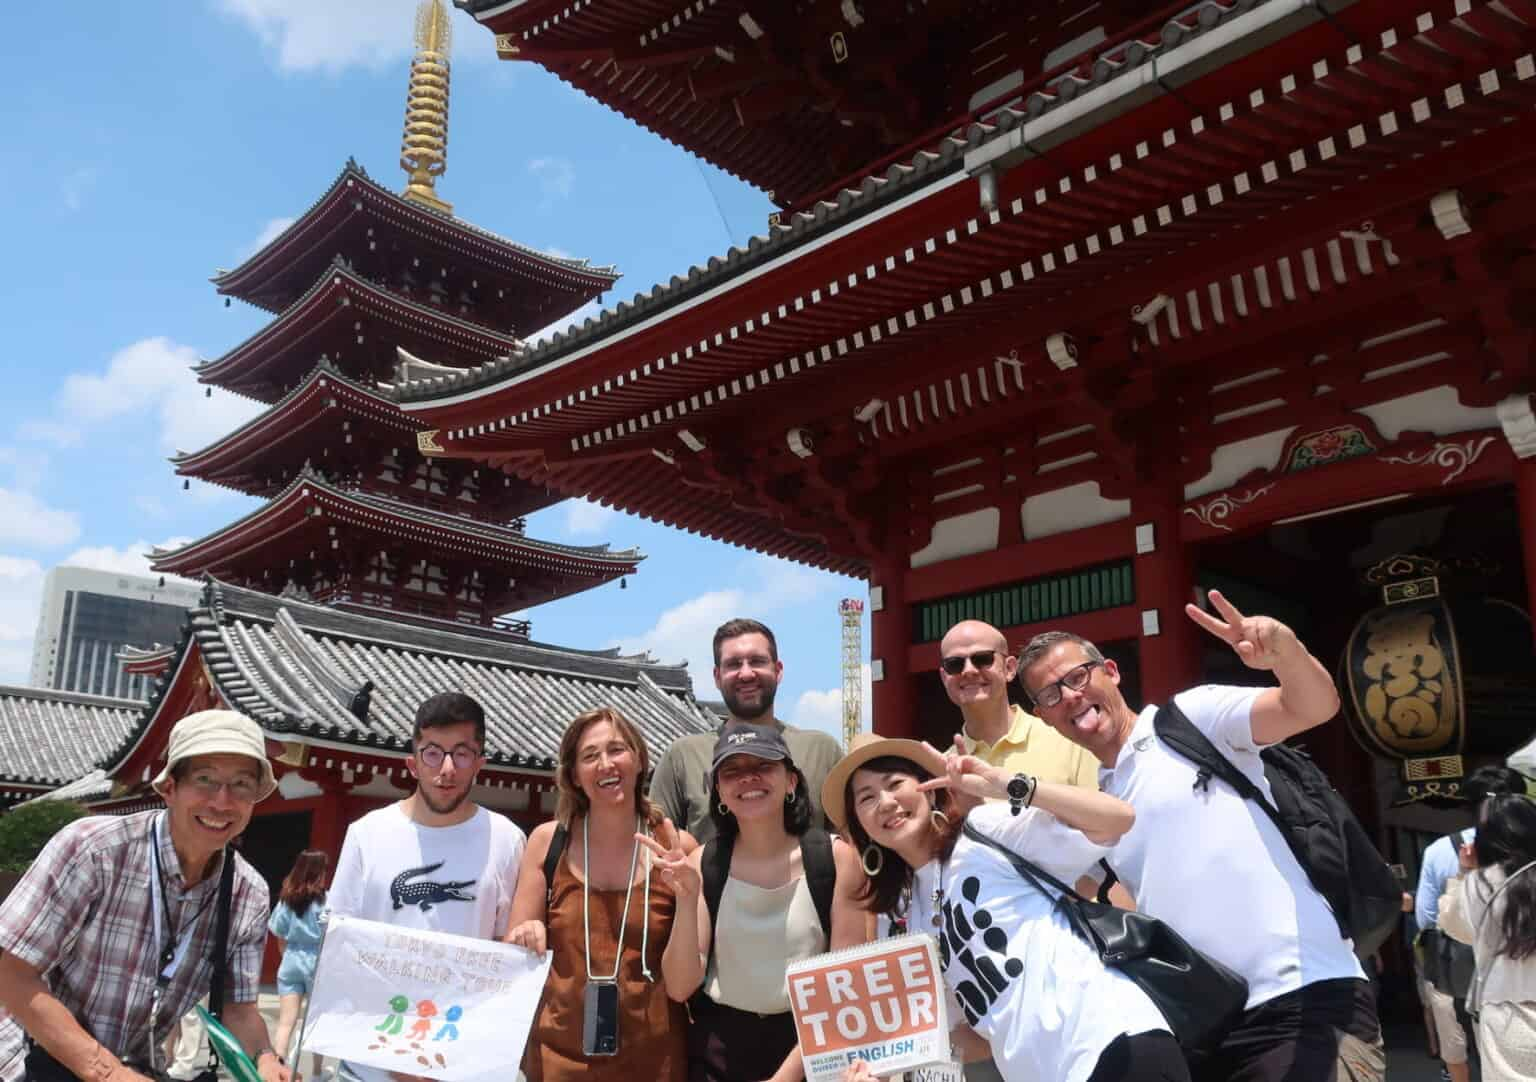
(981, 659)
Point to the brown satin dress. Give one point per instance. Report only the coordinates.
(652, 1028)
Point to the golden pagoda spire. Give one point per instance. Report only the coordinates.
(424, 147)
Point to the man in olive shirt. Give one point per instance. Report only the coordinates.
(976, 668)
(747, 672)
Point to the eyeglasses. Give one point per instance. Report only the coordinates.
(981, 659)
(432, 756)
(756, 661)
(1076, 679)
(243, 789)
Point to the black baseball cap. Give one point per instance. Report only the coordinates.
(758, 741)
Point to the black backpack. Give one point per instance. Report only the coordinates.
(715, 868)
(1329, 843)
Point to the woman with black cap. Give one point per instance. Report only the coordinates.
(768, 890)
(1039, 996)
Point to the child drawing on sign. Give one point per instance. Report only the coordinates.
(425, 1010)
(396, 1018)
(450, 1029)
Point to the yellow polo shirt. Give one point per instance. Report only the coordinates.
(1032, 747)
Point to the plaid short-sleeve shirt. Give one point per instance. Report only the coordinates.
(84, 917)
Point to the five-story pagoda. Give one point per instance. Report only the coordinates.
(359, 513)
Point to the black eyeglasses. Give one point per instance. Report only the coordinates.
(1076, 679)
(981, 659)
(432, 756)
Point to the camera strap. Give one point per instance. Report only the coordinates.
(629, 893)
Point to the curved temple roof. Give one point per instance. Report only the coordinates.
(48, 738)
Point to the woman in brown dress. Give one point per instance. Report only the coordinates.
(604, 914)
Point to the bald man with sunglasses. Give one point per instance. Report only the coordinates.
(976, 669)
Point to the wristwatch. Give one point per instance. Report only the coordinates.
(1021, 792)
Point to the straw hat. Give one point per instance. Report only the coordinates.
(867, 746)
(217, 732)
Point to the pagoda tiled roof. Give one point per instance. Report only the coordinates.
(493, 245)
(309, 488)
(48, 737)
(299, 669)
(1044, 114)
(279, 419)
(235, 369)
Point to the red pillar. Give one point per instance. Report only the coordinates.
(1165, 581)
(892, 710)
(1525, 507)
(328, 824)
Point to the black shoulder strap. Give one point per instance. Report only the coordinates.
(714, 870)
(222, 905)
(820, 873)
(1179, 733)
(1037, 876)
(557, 843)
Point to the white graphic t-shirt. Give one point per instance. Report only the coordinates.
(1015, 970)
(457, 879)
(1212, 864)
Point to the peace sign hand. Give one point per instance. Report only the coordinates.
(667, 854)
(968, 775)
(1260, 642)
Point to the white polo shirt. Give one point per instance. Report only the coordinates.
(1014, 969)
(1212, 864)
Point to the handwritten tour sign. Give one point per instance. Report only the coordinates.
(424, 1003)
(882, 1002)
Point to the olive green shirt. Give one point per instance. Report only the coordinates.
(680, 783)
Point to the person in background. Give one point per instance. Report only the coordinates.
(1035, 993)
(1435, 870)
(587, 894)
(779, 875)
(747, 672)
(1492, 905)
(295, 924)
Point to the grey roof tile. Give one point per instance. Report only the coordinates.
(51, 737)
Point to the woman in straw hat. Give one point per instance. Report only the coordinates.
(1018, 975)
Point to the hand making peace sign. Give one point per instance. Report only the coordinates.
(1260, 642)
(667, 855)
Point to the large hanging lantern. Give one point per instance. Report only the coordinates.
(1404, 679)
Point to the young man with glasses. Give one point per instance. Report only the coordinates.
(747, 672)
(1212, 864)
(436, 860)
(109, 937)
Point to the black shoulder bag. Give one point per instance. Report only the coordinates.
(40, 1066)
(1200, 998)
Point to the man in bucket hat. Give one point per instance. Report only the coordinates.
(109, 937)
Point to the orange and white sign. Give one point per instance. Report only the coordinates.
(882, 1002)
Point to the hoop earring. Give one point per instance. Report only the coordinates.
(879, 859)
(789, 797)
(939, 820)
(723, 809)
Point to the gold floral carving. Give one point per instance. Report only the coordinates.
(1215, 511)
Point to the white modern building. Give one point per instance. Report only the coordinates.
(89, 616)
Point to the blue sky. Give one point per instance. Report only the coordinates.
(154, 143)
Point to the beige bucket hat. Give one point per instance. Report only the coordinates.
(216, 732)
(867, 746)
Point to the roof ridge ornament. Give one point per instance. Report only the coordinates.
(424, 144)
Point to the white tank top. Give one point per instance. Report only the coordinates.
(758, 933)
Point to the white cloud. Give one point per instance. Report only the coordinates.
(26, 521)
(150, 376)
(76, 186)
(556, 177)
(575, 319)
(268, 234)
(824, 709)
(21, 595)
(330, 35)
(584, 517)
(21, 590)
(686, 631)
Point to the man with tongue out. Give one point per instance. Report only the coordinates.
(1212, 864)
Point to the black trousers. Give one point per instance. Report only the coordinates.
(1153, 1056)
(729, 1045)
(1302, 1036)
